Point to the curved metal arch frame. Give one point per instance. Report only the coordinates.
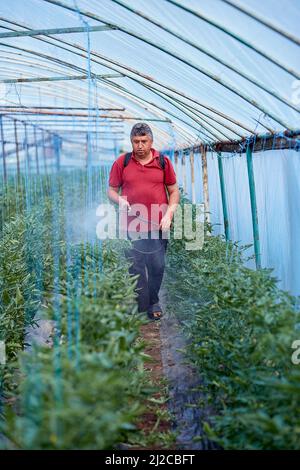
(209, 54)
(194, 66)
(233, 35)
(33, 80)
(135, 72)
(66, 64)
(264, 22)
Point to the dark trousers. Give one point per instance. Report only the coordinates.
(147, 260)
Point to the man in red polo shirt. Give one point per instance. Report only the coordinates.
(149, 196)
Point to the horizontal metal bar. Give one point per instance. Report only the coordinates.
(22, 121)
(111, 138)
(65, 124)
(58, 79)
(66, 108)
(83, 131)
(51, 113)
(45, 32)
(24, 145)
(55, 114)
(46, 113)
(278, 141)
(71, 131)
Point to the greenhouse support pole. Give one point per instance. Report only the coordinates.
(192, 159)
(87, 149)
(183, 172)
(176, 162)
(57, 146)
(44, 152)
(223, 196)
(17, 148)
(27, 156)
(205, 183)
(253, 206)
(3, 150)
(36, 152)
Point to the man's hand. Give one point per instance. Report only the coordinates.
(165, 222)
(174, 197)
(124, 204)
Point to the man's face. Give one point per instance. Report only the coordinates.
(141, 145)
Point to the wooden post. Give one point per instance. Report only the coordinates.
(193, 177)
(176, 162)
(205, 183)
(183, 172)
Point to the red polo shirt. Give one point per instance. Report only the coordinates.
(143, 185)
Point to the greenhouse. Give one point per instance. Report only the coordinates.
(110, 107)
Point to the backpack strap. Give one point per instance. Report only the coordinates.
(161, 160)
(127, 158)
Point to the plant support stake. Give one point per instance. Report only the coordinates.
(223, 195)
(3, 150)
(253, 207)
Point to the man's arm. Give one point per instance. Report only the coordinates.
(113, 195)
(174, 198)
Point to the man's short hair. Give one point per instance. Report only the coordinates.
(141, 128)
